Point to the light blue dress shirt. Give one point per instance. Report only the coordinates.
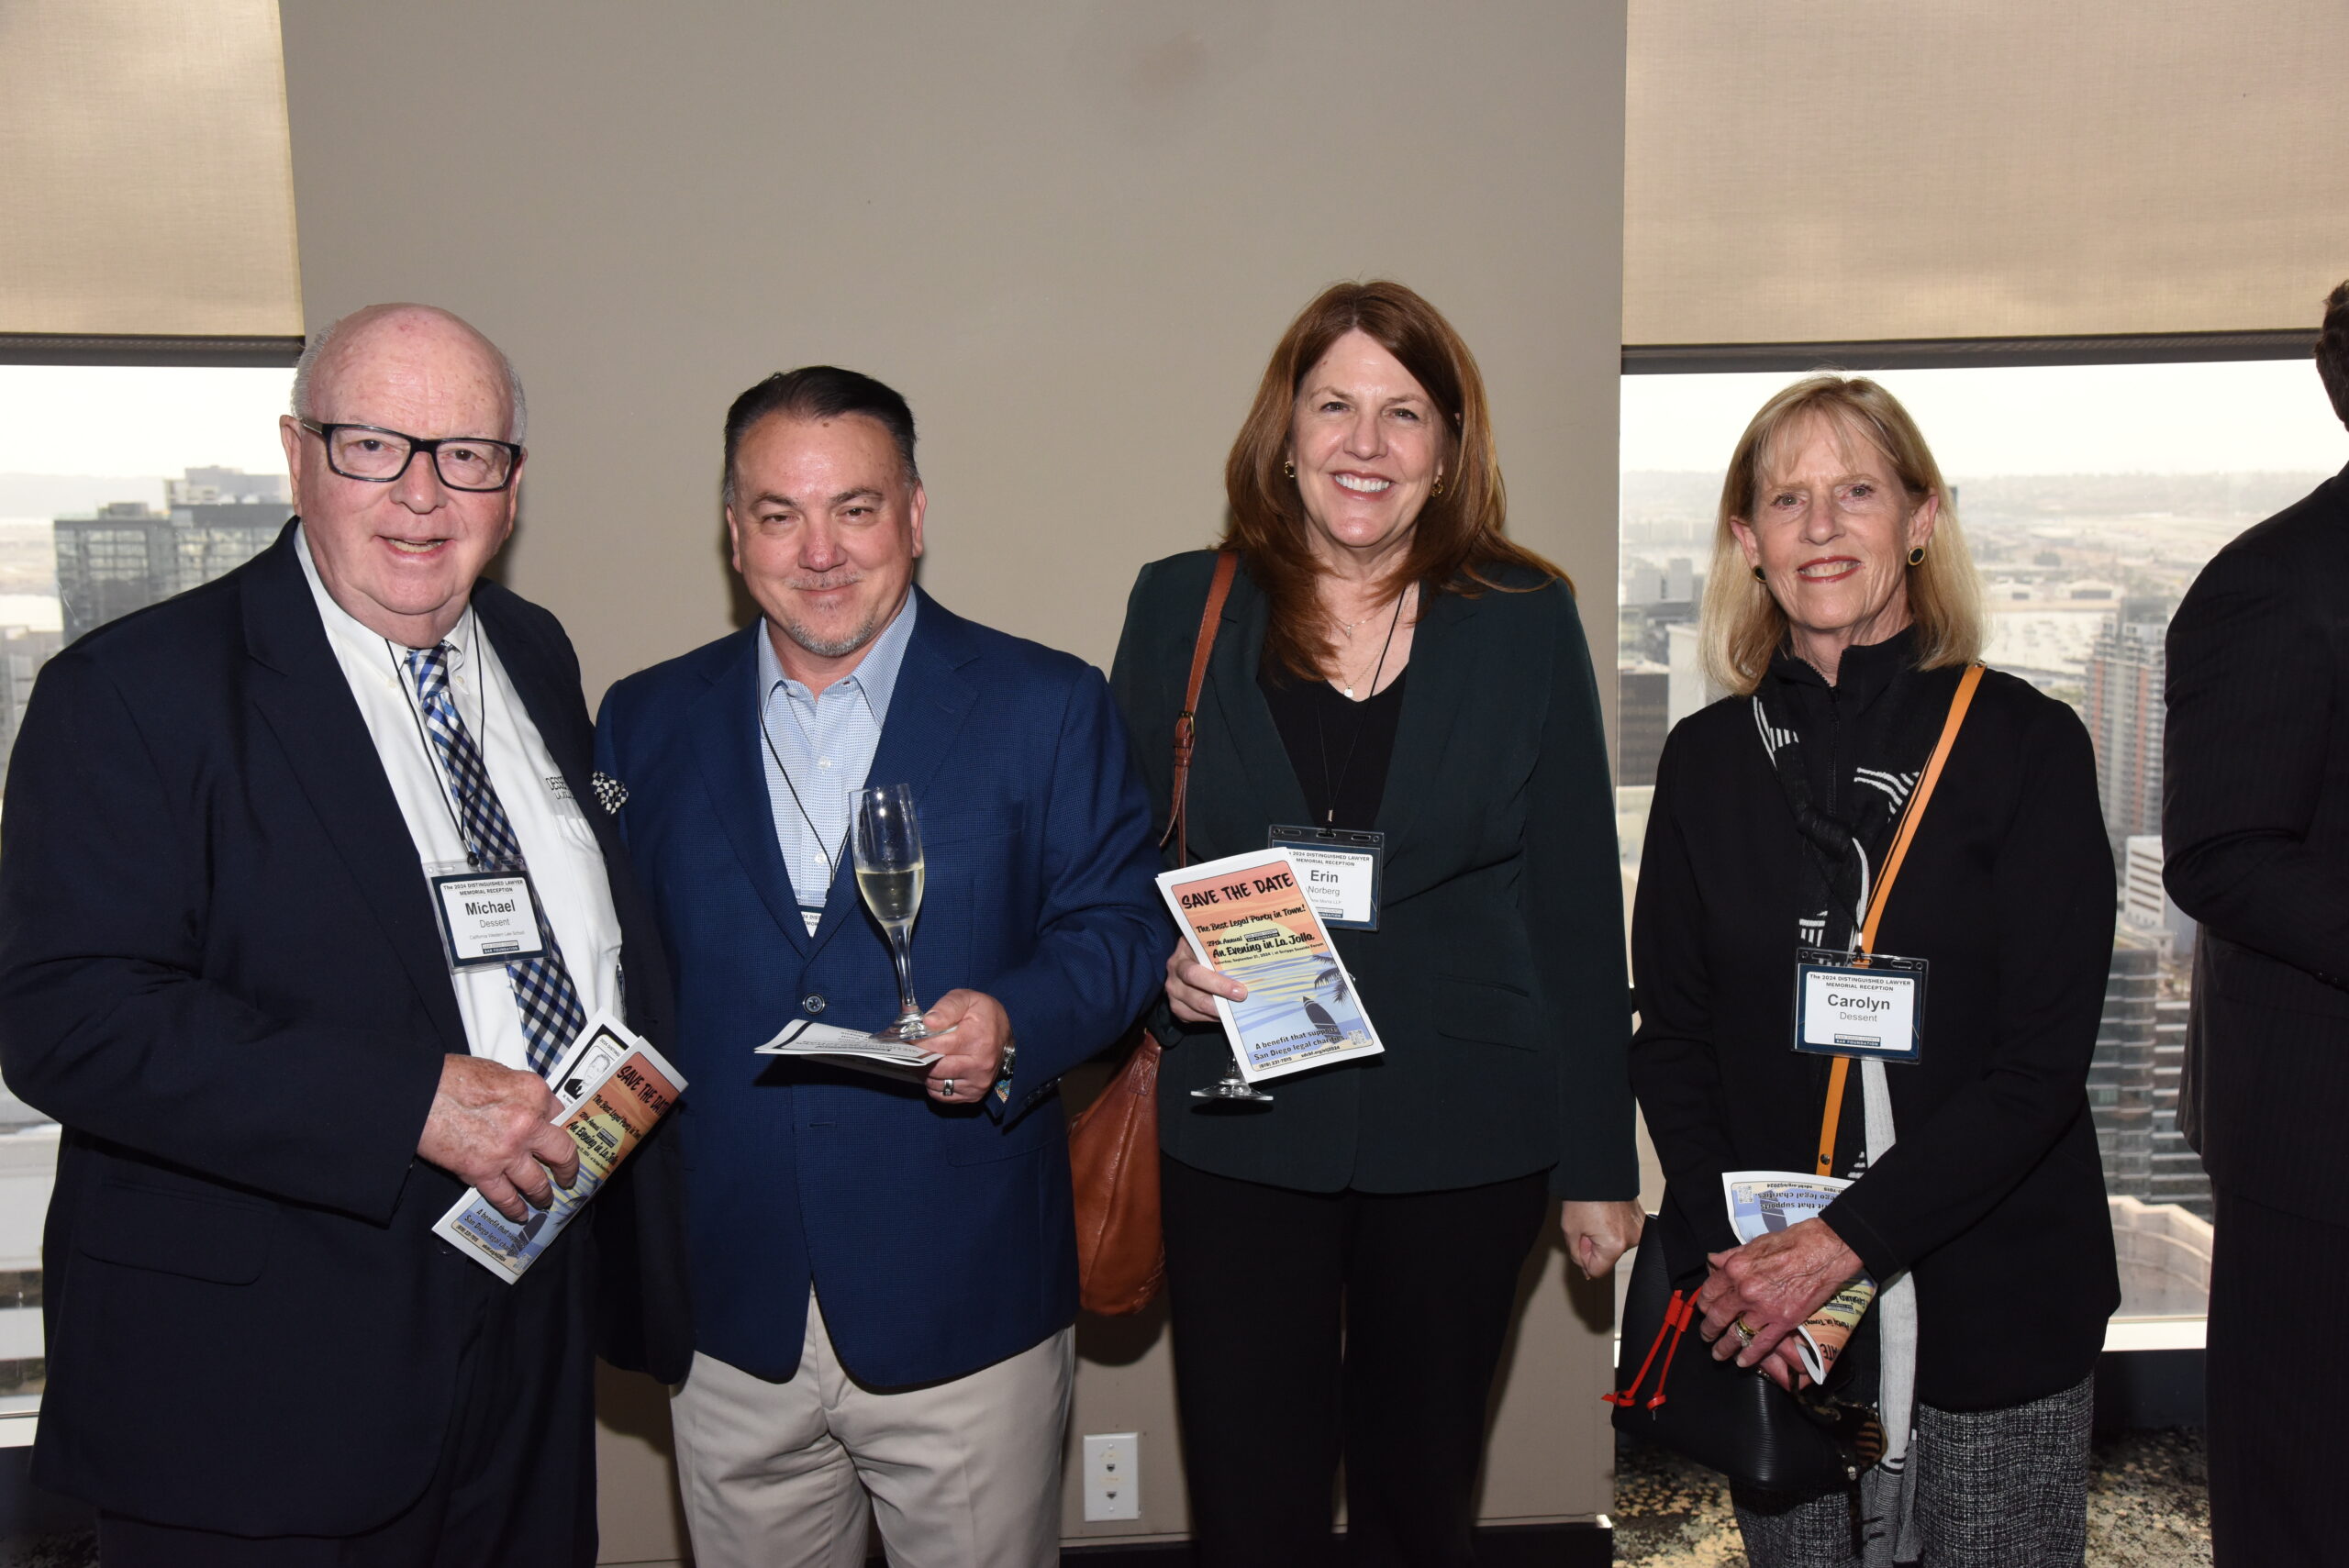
(820, 748)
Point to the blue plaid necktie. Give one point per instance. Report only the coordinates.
(551, 1016)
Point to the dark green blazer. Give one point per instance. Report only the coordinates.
(1495, 978)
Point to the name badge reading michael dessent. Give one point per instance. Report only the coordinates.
(1339, 872)
(486, 916)
(1866, 1006)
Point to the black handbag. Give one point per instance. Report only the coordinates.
(1670, 1390)
(1734, 1418)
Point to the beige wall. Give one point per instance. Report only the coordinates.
(1070, 233)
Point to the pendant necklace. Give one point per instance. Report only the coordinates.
(1380, 667)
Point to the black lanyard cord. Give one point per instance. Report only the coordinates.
(815, 835)
(1329, 815)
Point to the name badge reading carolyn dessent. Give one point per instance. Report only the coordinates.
(1871, 1005)
(486, 916)
(1339, 872)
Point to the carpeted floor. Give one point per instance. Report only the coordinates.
(2147, 1507)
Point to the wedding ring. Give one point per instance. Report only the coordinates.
(1737, 1326)
(946, 1087)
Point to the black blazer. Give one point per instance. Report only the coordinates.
(2256, 828)
(1993, 1195)
(220, 970)
(1495, 977)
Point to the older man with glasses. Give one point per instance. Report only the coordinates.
(222, 971)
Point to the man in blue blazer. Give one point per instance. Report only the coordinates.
(880, 1275)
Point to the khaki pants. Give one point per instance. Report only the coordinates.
(964, 1473)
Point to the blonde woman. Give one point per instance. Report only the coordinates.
(1841, 613)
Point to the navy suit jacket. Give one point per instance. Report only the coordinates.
(220, 969)
(940, 1239)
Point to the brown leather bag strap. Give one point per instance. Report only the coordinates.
(1829, 1124)
(1227, 566)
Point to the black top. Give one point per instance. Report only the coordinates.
(1339, 748)
(1993, 1195)
(2256, 824)
(1495, 977)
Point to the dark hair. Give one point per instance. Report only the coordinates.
(1456, 540)
(820, 392)
(2333, 351)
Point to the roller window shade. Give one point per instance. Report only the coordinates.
(1838, 171)
(145, 176)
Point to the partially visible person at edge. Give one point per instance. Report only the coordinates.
(1841, 611)
(1342, 1262)
(2256, 828)
(221, 971)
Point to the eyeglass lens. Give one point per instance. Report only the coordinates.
(381, 456)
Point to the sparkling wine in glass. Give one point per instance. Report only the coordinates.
(887, 847)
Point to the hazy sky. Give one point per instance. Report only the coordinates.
(2259, 415)
(103, 419)
(2267, 414)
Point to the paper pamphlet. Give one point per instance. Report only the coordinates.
(1763, 1201)
(613, 1089)
(1247, 916)
(813, 1042)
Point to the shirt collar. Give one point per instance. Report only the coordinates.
(876, 676)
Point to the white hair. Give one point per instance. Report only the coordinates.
(315, 349)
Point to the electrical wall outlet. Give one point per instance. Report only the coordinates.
(1112, 1475)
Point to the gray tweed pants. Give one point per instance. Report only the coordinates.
(1995, 1489)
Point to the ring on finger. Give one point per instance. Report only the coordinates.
(1737, 1326)
(946, 1088)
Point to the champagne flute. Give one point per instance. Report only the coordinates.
(890, 874)
(1231, 1085)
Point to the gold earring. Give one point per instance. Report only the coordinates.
(1760, 575)
(1288, 469)
(1917, 556)
(1439, 486)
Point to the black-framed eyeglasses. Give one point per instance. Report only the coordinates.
(378, 456)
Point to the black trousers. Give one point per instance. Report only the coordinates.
(2277, 1387)
(516, 1484)
(1308, 1326)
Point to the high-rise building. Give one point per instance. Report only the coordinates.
(127, 557)
(1643, 717)
(2133, 1081)
(2177, 1174)
(2123, 710)
(23, 650)
(2121, 1073)
(2145, 903)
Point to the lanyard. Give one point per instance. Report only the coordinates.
(1330, 811)
(814, 836)
(1910, 817)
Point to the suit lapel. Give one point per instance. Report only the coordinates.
(928, 707)
(1443, 682)
(540, 686)
(725, 728)
(302, 696)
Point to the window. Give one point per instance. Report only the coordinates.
(2091, 495)
(119, 486)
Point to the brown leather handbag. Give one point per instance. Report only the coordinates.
(1113, 1143)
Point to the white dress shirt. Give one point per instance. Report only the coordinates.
(558, 845)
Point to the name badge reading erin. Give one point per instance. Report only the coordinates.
(486, 917)
(1871, 1006)
(1340, 871)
